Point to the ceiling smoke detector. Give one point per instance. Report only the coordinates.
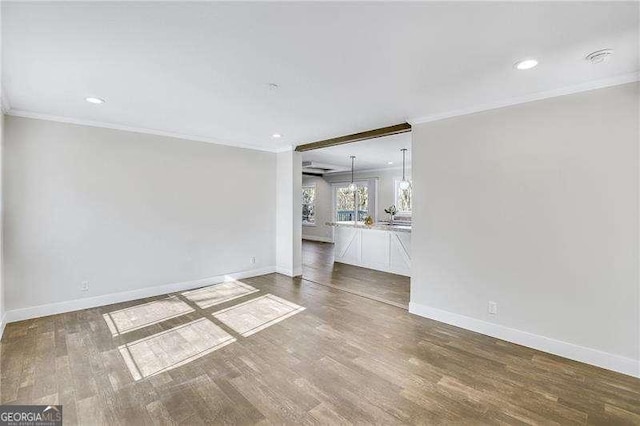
(599, 56)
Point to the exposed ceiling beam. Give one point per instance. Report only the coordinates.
(369, 134)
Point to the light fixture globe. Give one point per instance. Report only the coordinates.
(352, 186)
(404, 184)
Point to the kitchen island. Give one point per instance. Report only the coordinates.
(380, 246)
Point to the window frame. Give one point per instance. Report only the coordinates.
(372, 189)
(315, 195)
(396, 193)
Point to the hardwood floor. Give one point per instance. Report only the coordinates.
(318, 266)
(323, 356)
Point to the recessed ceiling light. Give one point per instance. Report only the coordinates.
(390, 163)
(276, 135)
(93, 100)
(526, 64)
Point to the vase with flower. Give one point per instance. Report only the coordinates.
(391, 211)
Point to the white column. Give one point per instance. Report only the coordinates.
(289, 213)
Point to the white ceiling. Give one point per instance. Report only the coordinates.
(371, 154)
(202, 69)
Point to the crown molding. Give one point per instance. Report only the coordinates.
(569, 90)
(68, 120)
(5, 105)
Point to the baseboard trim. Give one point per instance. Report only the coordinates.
(3, 322)
(288, 272)
(125, 296)
(297, 272)
(284, 271)
(315, 238)
(591, 356)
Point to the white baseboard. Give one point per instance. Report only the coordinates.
(289, 272)
(3, 322)
(125, 296)
(284, 271)
(568, 350)
(315, 238)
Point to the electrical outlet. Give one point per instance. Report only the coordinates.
(493, 308)
(84, 286)
(253, 260)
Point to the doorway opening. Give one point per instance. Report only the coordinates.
(356, 221)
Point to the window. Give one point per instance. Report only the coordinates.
(346, 202)
(403, 198)
(362, 199)
(309, 205)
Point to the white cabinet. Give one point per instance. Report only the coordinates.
(347, 244)
(382, 250)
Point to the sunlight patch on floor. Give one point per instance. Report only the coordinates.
(173, 348)
(140, 316)
(257, 314)
(218, 293)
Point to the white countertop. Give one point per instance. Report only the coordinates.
(378, 226)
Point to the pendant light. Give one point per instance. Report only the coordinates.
(352, 185)
(405, 183)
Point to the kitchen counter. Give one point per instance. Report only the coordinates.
(383, 226)
(381, 246)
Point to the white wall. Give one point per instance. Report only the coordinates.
(2, 298)
(2, 109)
(126, 211)
(289, 214)
(319, 232)
(534, 207)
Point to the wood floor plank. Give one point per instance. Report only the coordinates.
(345, 359)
